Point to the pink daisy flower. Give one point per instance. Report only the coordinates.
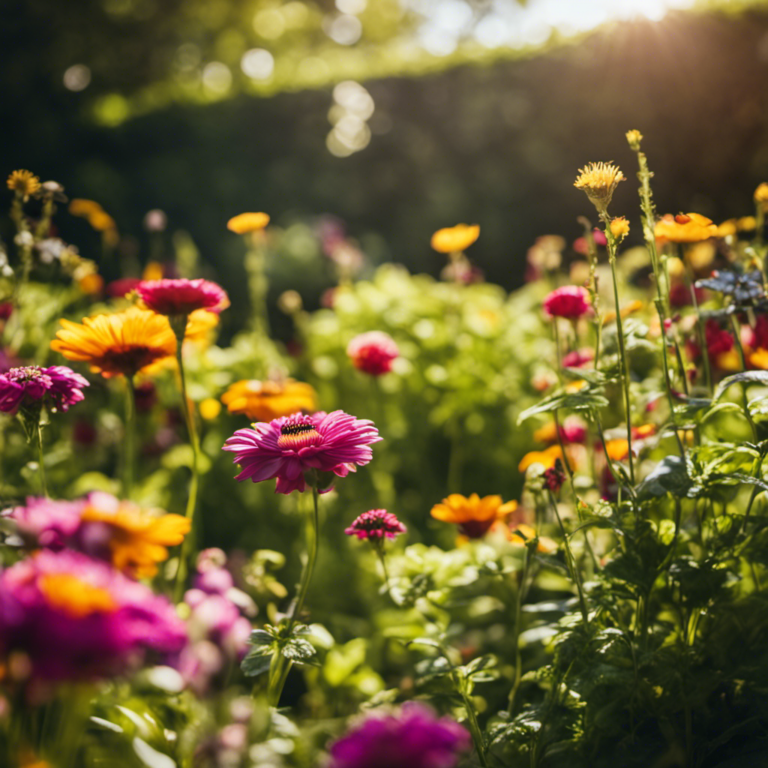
(570, 301)
(374, 525)
(373, 352)
(291, 447)
(182, 297)
(79, 619)
(60, 386)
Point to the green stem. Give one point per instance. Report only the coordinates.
(257, 284)
(455, 459)
(189, 417)
(43, 483)
(129, 447)
(571, 563)
(278, 672)
(743, 361)
(521, 592)
(383, 559)
(472, 721)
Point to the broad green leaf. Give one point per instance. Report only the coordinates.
(669, 476)
(745, 377)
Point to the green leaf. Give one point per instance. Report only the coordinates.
(669, 476)
(257, 661)
(746, 377)
(298, 650)
(261, 637)
(577, 401)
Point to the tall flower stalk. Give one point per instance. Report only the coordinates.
(129, 445)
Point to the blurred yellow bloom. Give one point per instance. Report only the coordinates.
(759, 359)
(599, 182)
(101, 221)
(91, 284)
(120, 344)
(619, 227)
(575, 386)
(727, 228)
(675, 267)
(455, 239)
(685, 228)
(523, 533)
(634, 137)
(210, 408)
(701, 255)
(546, 458)
(244, 223)
(79, 206)
(152, 271)
(761, 193)
(729, 361)
(267, 400)
(473, 515)
(746, 224)
(138, 539)
(617, 450)
(75, 597)
(200, 323)
(546, 434)
(24, 183)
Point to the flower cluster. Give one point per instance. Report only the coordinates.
(57, 386)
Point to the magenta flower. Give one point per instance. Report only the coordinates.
(29, 386)
(374, 525)
(182, 297)
(47, 523)
(570, 301)
(292, 447)
(579, 358)
(373, 352)
(79, 619)
(415, 738)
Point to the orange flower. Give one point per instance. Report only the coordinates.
(546, 434)
(626, 310)
(75, 597)
(473, 515)
(619, 227)
(267, 400)
(617, 450)
(120, 344)
(685, 228)
(546, 458)
(244, 223)
(727, 228)
(25, 183)
(523, 533)
(81, 207)
(455, 239)
(138, 539)
(759, 359)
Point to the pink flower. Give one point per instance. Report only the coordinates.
(374, 525)
(570, 301)
(79, 619)
(47, 523)
(117, 289)
(60, 386)
(579, 358)
(373, 352)
(182, 297)
(574, 429)
(291, 447)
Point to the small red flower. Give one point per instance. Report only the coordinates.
(182, 297)
(374, 525)
(570, 301)
(373, 353)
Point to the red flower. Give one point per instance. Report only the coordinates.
(182, 297)
(570, 301)
(373, 352)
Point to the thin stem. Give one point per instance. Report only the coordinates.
(257, 283)
(521, 592)
(455, 459)
(383, 559)
(189, 418)
(281, 666)
(743, 361)
(571, 563)
(474, 726)
(129, 447)
(43, 483)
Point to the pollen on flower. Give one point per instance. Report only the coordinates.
(298, 435)
(599, 182)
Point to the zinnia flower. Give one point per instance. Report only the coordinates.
(685, 228)
(474, 516)
(31, 386)
(267, 400)
(182, 297)
(76, 618)
(24, 183)
(373, 352)
(120, 344)
(413, 738)
(244, 223)
(570, 301)
(599, 182)
(134, 540)
(374, 525)
(455, 239)
(292, 447)
(521, 534)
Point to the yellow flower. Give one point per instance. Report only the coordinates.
(153, 271)
(23, 183)
(81, 207)
(546, 434)
(617, 450)
(701, 255)
(101, 221)
(200, 323)
(73, 596)
(92, 283)
(746, 224)
(244, 223)
(473, 515)
(628, 309)
(634, 137)
(759, 358)
(267, 400)
(761, 193)
(619, 227)
(728, 228)
(138, 539)
(523, 533)
(455, 239)
(120, 344)
(546, 458)
(210, 408)
(729, 361)
(685, 228)
(599, 182)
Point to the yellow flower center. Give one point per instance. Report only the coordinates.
(75, 597)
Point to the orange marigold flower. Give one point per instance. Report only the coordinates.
(268, 400)
(24, 183)
(685, 228)
(455, 239)
(599, 181)
(473, 515)
(244, 223)
(618, 449)
(759, 359)
(546, 458)
(120, 344)
(138, 539)
(521, 534)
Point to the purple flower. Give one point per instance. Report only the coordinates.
(290, 447)
(374, 525)
(76, 618)
(49, 524)
(28, 386)
(415, 738)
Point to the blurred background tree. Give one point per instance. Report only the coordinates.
(398, 117)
